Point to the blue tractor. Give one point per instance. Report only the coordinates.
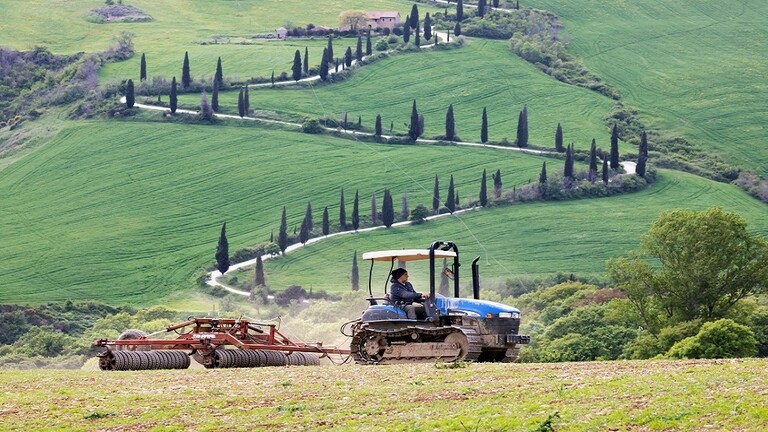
(448, 329)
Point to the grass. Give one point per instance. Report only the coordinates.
(689, 67)
(632, 396)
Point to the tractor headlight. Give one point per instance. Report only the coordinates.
(509, 314)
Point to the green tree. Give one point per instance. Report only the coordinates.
(222, 251)
(304, 232)
(417, 36)
(723, 338)
(342, 213)
(413, 128)
(355, 273)
(329, 48)
(143, 68)
(615, 148)
(593, 161)
(348, 57)
(568, 168)
(406, 30)
(484, 127)
(642, 157)
(130, 96)
(246, 101)
(374, 210)
(219, 77)
(173, 99)
(450, 131)
(481, 5)
(387, 209)
(414, 16)
(240, 103)
(707, 263)
(419, 215)
(522, 128)
(308, 217)
(495, 3)
(326, 222)
(368, 44)
(259, 278)
(215, 96)
(305, 68)
(605, 171)
(427, 27)
(356, 211)
(483, 190)
(543, 173)
(282, 235)
(186, 78)
(296, 68)
(324, 65)
(559, 139)
(206, 112)
(378, 125)
(404, 210)
(450, 202)
(436, 195)
(272, 78)
(457, 29)
(359, 49)
(497, 184)
(460, 11)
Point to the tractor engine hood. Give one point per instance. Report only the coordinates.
(479, 308)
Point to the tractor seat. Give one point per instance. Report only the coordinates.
(373, 301)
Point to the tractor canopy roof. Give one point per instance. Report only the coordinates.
(406, 255)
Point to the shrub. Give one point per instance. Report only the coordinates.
(719, 339)
(419, 214)
(311, 126)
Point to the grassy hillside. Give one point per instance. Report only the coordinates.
(691, 67)
(637, 395)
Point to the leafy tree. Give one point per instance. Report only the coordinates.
(568, 169)
(305, 68)
(559, 139)
(296, 68)
(450, 202)
(143, 68)
(723, 338)
(404, 210)
(481, 5)
(374, 210)
(414, 16)
(406, 30)
(355, 273)
(427, 27)
(460, 11)
(356, 211)
(348, 57)
(413, 128)
(708, 262)
(457, 29)
(282, 235)
(593, 161)
(185, 76)
(378, 125)
(326, 222)
(419, 215)
(605, 171)
(436, 195)
(173, 99)
(219, 77)
(130, 96)
(359, 49)
(615, 148)
(483, 190)
(222, 251)
(215, 96)
(497, 184)
(387, 209)
(259, 279)
(368, 45)
(329, 49)
(450, 131)
(484, 127)
(324, 65)
(342, 213)
(240, 103)
(353, 19)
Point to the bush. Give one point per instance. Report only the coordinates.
(311, 126)
(719, 339)
(419, 214)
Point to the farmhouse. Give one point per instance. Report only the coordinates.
(373, 19)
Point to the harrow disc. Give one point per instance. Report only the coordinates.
(143, 360)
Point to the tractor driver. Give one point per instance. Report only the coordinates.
(403, 295)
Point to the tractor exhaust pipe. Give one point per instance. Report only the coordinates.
(476, 278)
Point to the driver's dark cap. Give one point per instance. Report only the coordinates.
(398, 272)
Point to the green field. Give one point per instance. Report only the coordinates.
(629, 396)
(692, 68)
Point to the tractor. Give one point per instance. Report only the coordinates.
(449, 329)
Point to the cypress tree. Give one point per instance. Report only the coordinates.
(417, 34)
(206, 112)
(450, 131)
(222, 251)
(406, 30)
(342, 213)
(143, 68)
(642, 158)
(522, 128)
(605, 171)
(219, 78)
(459, 11)
(172, 99)
(282, 235)
(436, 195)
(456, 200)
(374, 210)
(355, 273)
(644, 144)
(378, 125)
(323, 65)
(304, 232)
(359, 49)
(421, 125)
(356, 211)
(593, 162)
(329, 54)
(481, 8)
(240, 104)
(615, 148)
(497, 184)
(348, 56)
(306, 61)
(483, 190)
(568, 168)
(517, 5)
(246, 101)
(457, 29)
(484, 127)
(259, 279)
(405, 211)
(559, 139)
(215, 96)
(414, 17)
(495, 3)
(185, 76)
(326, 222)
(427, 27)
(450, 202)
(543, 174)
(387, 209)
(130, 96)
(296, 68)
(413, 128)
(368, 45)
(308, 217)
(272, 79)
(359, 122)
